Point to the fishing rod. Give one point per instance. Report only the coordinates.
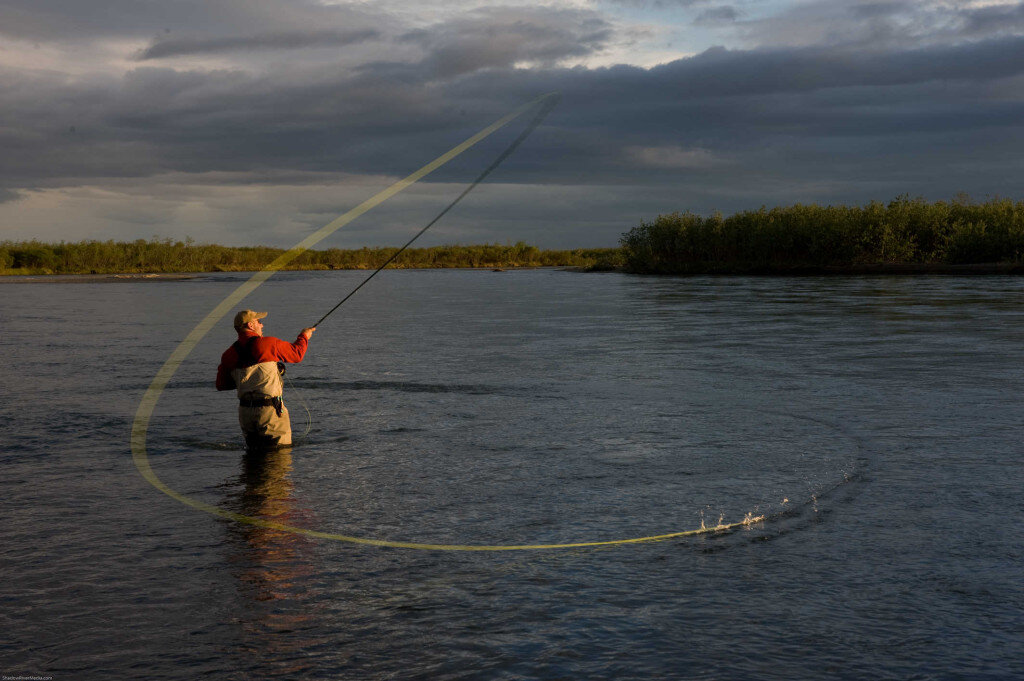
(548, 102)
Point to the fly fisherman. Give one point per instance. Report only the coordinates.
(253, 365)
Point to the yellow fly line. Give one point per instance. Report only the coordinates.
(149, 400)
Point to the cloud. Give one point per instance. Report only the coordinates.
(988, 20)
(743, 72)
(503, 37)
(673, 156)
(73, 20)
(387, 116)
(717, 15)
(270, 41)
(204, 138)
(886, 24)
(663, 4)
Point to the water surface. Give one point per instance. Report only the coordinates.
(873, 420)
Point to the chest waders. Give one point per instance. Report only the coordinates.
(261, 411)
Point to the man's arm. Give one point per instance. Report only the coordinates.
(274, 349)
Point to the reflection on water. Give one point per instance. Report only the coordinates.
(272, 566)
(273, 557)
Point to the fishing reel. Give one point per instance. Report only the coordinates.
(280, 368)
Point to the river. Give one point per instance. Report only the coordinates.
(872, 422)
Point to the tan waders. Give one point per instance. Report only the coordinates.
(261, 412)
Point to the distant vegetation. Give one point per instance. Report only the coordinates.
(809, 237)
(108, 257)
(796, 238)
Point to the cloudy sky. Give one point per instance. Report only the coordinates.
(259, 121)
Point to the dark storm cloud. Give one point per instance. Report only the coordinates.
(271, 41)
(78, 20)
(501, 37)
(929, 18)
(386, 116)
(994, 19)
(841, 101)
(885, 24)
(724, 129)
(725, 72)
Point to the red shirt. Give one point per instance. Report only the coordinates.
(264, 349)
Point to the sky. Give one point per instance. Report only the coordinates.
(247, 122)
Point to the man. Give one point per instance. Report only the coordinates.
(252, 367)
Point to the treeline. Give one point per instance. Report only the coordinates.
(904, 231)
(166, 255)
(809, 237)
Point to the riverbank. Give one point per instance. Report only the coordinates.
(141, 257)
(909, 269)
(95, 278)
(186, 276)
(905, 236)
(878, 269)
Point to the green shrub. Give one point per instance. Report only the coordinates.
(810, 236)
(33, 255)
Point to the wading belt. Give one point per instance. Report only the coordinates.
(260, 400)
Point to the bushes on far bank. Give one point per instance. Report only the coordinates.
(904, 231)
(166, 255)
(801, 237)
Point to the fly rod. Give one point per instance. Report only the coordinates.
(548, 102)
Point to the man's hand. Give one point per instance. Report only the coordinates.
(307, 332)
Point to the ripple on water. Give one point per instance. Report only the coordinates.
(626, 406)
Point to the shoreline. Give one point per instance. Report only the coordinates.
(882, 269)
(132, 277)
(97, 278)
(927, 268)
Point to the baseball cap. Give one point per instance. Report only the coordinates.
(246, 316)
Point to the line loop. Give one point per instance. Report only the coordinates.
(147, 404)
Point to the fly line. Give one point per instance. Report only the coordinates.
(147, 404)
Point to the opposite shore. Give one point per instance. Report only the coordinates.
(903, 237)
(141, 257)
(912, 269)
